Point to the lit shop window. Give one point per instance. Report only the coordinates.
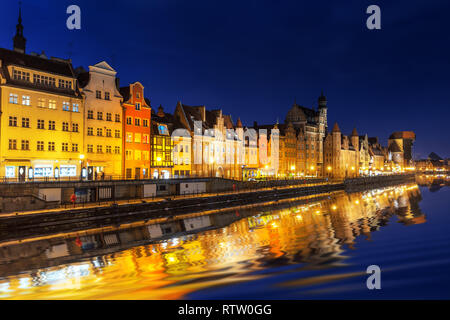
(43, 171)
(68, 171)
(10, 171)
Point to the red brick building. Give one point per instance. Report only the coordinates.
(136, 132)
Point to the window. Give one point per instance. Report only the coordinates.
(40, 124)
(51, 125)
(90, 131)
(108, 149)
(52, 104)
(66, 106)
(75, 127)
(65, 146)
(44, 80)
(117, 133)
(90, 114)
(99, 132)
(41, 102)
(90, 148)
(99, 149)
(75, 107)
(137, 138)
(26, 100)
(51, 146)
(128, 154)
(12, 144)
(129, 120)
(64, 84)
(145, 138)
(74, 147)
(117, 150)
(21, 75)
(13, 98)
(40, 145)
(99, 115)
(145, 122)
(138, 106)
(65, 126)
(98, 94)
(117, 117)
(106, 95)
(25, 122)
(137, 154)
(108, 133)
(108, 116)
(137, 122)
(129, 137)
(13, 121)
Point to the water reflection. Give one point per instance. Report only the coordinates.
(170, 260)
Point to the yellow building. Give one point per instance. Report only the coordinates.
(103, 122)
(41, 125)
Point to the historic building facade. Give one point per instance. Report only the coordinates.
(341, 154)
(103, 121)
(161, 146)
(136, 132)
(41, 124)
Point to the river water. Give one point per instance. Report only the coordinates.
(310, 249)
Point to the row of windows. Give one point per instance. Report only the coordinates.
(90, 132)
(41, 124)
(99, 149)
(25, 145)
(137, 122)
(44, 103)
(41, 79)
(90, 115)
(98, 95)
(137, 155)
(138, 138)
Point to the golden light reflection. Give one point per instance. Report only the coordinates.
(173, 268)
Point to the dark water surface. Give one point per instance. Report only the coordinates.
(311, 250)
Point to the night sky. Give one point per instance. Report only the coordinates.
(252, 58)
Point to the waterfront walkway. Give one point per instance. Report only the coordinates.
(102, 204)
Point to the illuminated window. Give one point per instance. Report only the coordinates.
(75, 107)
(129, 137)
(66, 106)
(41, 102)
(13, 98)
(137, 138)
(52, 104)
(26, 100)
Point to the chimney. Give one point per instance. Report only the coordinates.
(255, 124)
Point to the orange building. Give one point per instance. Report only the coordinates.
(136, 129)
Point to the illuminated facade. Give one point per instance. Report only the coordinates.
(136, 137)
(103, 122)
(41, 126)
(161, 145)
(341, 154)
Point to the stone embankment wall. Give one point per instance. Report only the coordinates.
(364, 183)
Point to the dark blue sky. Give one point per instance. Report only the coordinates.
(252, 58)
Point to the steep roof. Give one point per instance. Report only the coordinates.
(403, 135)
(336, 128)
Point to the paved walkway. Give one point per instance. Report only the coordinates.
(69, 207)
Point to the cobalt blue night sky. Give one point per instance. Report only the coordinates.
(253, 58)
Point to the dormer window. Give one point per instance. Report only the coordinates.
(138, 106)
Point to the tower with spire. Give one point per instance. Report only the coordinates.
(19, 40)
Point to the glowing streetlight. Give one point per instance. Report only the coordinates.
(292, 168)
(81, 156)
(158, 159)
(329, 168)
